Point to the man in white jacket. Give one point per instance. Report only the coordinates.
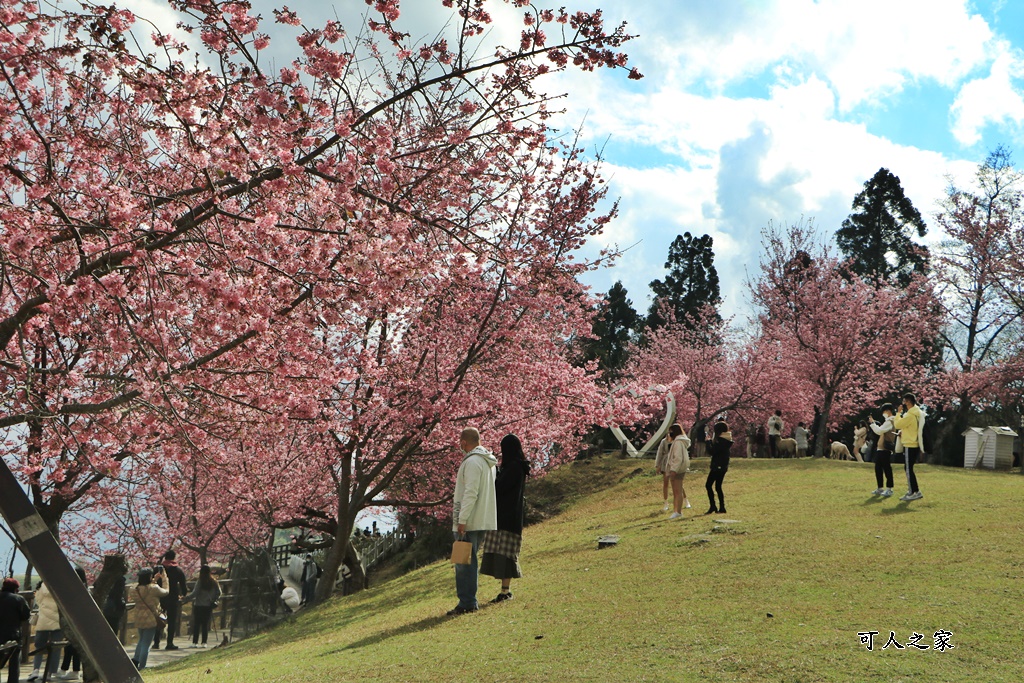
(475, 510)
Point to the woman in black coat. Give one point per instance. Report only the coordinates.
(718, 449)
(501, 548)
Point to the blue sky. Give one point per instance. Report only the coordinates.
(775, 111)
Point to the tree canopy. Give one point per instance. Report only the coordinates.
(877, 236)
(690, 286)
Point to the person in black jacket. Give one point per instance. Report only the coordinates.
(501, 548)
(178, 587)
(14, 613)
(719, 448)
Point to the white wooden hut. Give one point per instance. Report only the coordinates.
(990, 448)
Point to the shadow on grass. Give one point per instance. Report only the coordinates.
(874, 500)
(900, 509)
(416, 626)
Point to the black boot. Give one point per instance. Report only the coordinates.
(721, 506)
(711, 510)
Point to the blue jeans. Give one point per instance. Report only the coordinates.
(466, 574)
(146, 636)
(42, 639)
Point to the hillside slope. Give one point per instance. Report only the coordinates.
(690, 599)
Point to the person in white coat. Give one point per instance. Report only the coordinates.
(677, 464)
(47, 623)
(474, 511)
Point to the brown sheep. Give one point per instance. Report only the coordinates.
(786, 448)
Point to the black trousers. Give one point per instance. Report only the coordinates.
(883, 466)
(71, 659)
(173, 611)
(910, 456)
(773, 445)
(13, 665)
(201, 622)
(715, 478)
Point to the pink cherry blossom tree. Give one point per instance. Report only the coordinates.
(712, 369)
(852, 340)
(374, 242)
(978, 274)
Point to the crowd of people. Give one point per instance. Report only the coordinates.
(158, 595)
(900, 429)
(488, 514)
(488, 498)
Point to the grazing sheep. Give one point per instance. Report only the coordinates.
(786, 448)
(840, 451)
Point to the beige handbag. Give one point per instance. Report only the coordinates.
(462, 552)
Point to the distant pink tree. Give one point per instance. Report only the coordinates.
(978, 276)
(852, 340)
(710, 369)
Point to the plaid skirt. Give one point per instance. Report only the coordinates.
(501, 555)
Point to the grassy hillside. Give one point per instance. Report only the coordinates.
(690, 599)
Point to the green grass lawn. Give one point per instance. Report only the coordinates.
(689, 599)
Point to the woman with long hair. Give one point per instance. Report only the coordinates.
(860, 438)
(677, 464)
(501, 548)
(205, 595)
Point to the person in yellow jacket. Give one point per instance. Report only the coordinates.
(910, 424)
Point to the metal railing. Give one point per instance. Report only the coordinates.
(372, 550)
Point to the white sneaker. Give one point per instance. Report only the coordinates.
(917, 495)
(203, 646)
(876, 492)
(666, 507)
(906, 496)
(686, 505)
(193, 646)
(675, 515)
(69, 676)
(34, 675)
(886, 493)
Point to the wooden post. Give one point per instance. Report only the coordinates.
(40, 547)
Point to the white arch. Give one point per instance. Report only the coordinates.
(652, 443)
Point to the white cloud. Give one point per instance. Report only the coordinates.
(996, 98)
(863, 50)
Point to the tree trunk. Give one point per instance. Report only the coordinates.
(336, 556)
(360, 581)
(697, 436)
(821, 438)
(948, 446)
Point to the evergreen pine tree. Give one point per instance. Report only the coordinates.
(691, 282)
(877, 235)
(615, 326)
